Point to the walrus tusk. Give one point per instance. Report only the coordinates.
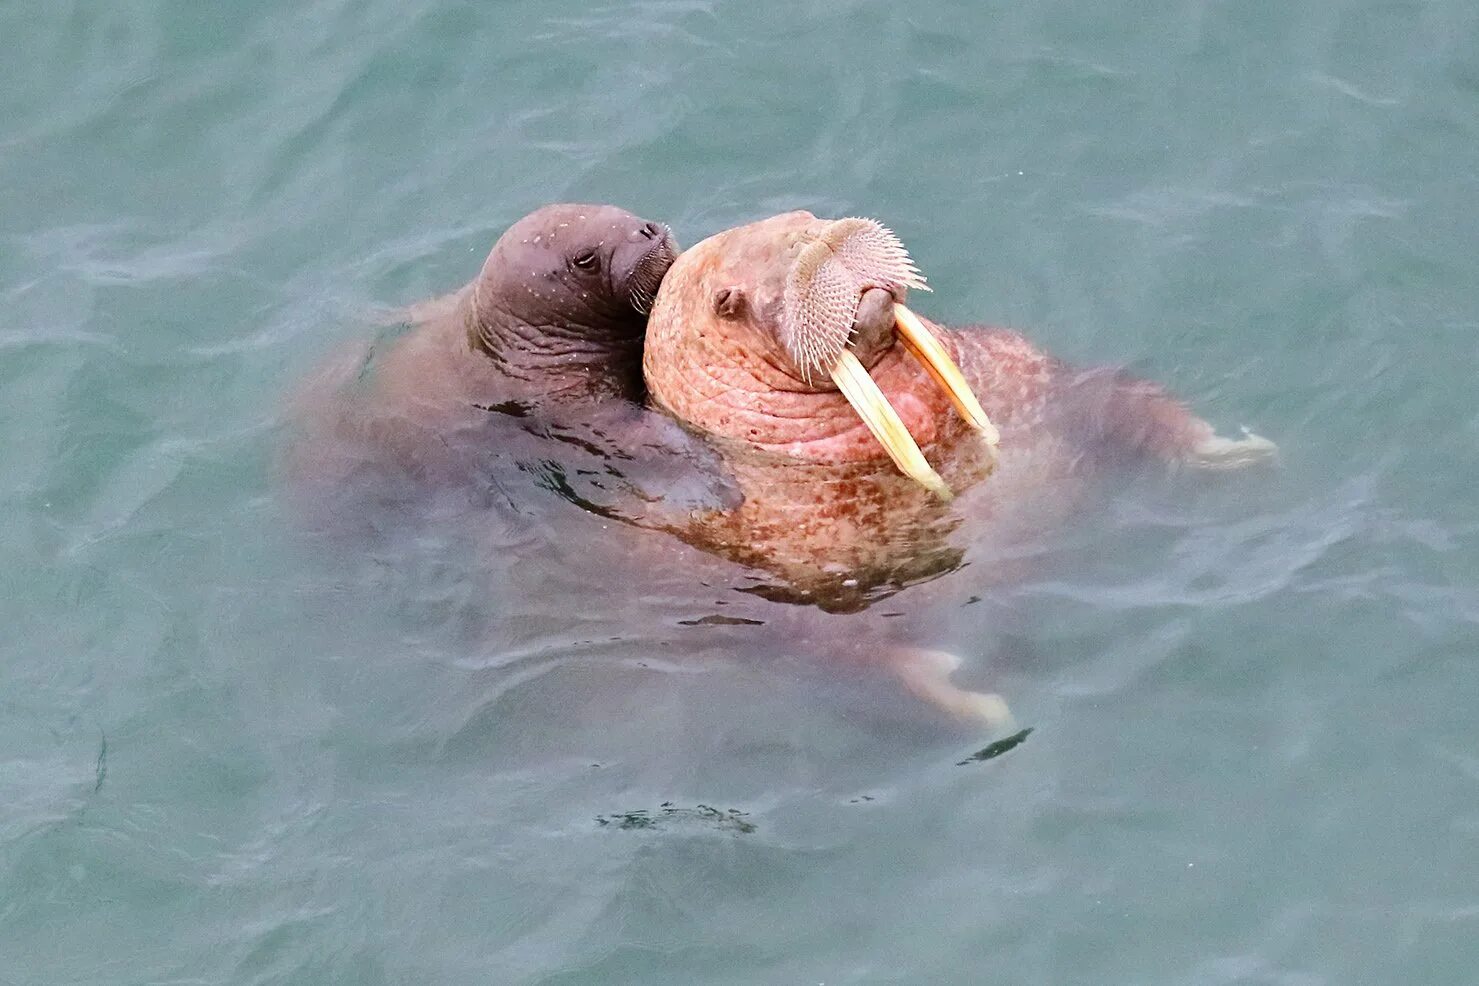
(885, 424)
(928, 350)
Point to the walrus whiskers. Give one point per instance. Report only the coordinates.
(647, 276)
(823, 290)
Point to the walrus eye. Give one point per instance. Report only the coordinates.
(729, 303)
(586, 260)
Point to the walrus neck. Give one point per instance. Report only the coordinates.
(557, 360)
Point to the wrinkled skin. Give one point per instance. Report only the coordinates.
(800, 494)
(544, 344)
(823, 507)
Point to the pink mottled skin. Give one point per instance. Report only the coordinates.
(824, 507)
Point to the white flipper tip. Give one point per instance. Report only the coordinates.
(987, 708)
(1232, 453)
(926, 673)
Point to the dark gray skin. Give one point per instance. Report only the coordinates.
(559, 308)
(544, 346)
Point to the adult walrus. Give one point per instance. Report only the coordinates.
(849, 423)
(864, 439)
(549, 333)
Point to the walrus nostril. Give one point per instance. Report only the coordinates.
(729, 303)
(651, 231)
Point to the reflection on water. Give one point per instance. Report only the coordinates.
(993, 750)
(732, 820)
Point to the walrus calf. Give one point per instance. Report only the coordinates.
(552, 326)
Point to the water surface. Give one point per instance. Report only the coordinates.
(232, 755)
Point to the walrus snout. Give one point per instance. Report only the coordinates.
(659, 250)
(873, 329)
(858, 267)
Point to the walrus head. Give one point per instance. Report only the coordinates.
(788, 333)
(569, 282)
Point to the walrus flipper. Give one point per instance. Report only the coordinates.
(1232, 453)
(1124, 414)
(926, 673)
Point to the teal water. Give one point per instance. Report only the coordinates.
(228, 755)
